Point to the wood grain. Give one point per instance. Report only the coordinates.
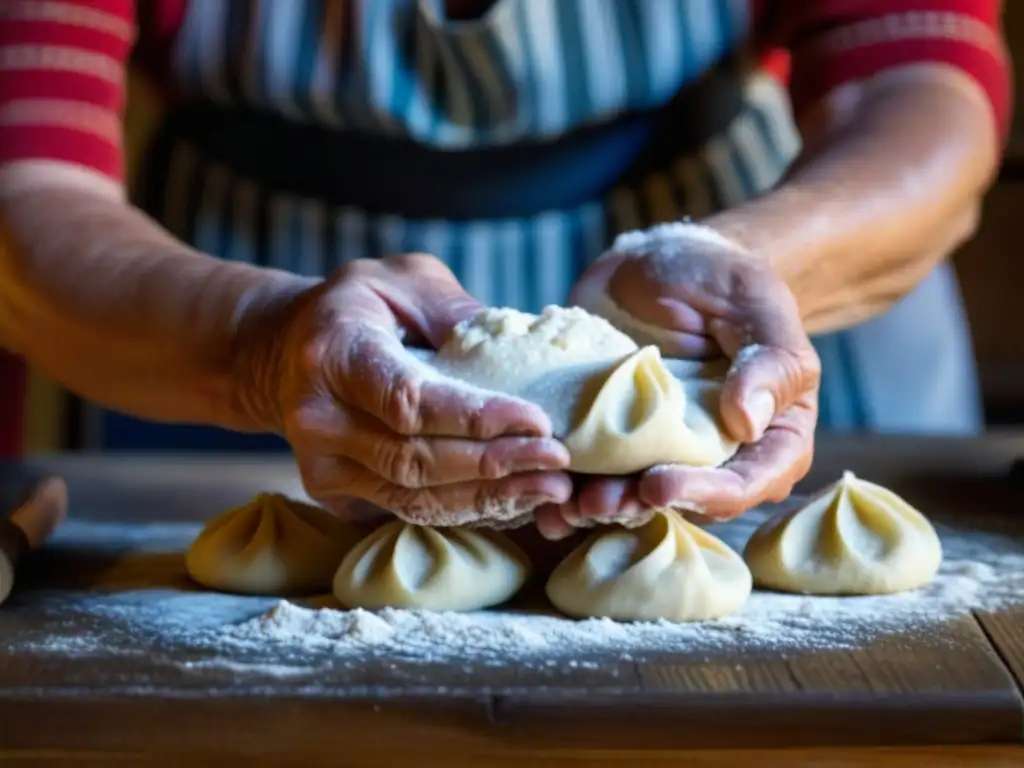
(946, 687)
(949, 685)
(554, 757)
(1005, 630)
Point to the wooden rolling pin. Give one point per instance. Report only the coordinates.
(29, 525)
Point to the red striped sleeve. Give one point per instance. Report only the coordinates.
(62, 81)
(834, 42)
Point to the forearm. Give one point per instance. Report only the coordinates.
(888, 185)
(108, 304)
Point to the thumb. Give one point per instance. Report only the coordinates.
(762, 382)
(432, 299)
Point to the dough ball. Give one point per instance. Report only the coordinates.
(507, 350)
(270, 546)
(854, 538)
(667, 569)
(439, 569)
(620, 409)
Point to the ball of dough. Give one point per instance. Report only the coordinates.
(271, 545)
(507, 350)
(854, 538)
(619, 408)
(439, 569)
(667, 569)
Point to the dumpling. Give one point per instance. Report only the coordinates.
(854, 538)
(618, 408)
(402, 565)
(666, 569)
(640, 415)
(271, 545)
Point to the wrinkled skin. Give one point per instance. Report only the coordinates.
(717, 300)
(371, 429)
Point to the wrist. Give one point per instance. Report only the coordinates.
(258, 351)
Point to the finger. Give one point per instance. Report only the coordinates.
(551, 523)
(690, 285)
(607, 499)
(774, 362)
(454, 504)
(764, 381)
(376, 374)
(763, 472)
(418, 462)
(426, 295)
(599, 500)
(677, 328)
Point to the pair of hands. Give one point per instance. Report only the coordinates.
(373, 430)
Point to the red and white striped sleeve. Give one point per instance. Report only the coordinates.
(833, 42)
(62, 81)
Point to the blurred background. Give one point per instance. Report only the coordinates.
(991, 269)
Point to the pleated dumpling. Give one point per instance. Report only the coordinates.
(667, 569)
(401, 565)
(271, 545)
(854, 538)
(640, 414)
(618, 408)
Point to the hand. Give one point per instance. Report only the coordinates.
(369, 422)
(712, 298)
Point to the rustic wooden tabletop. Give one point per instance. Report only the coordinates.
(134, 697)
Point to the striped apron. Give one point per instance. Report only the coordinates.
(528, 72)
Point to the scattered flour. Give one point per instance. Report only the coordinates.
(263, 638)
(768, 621)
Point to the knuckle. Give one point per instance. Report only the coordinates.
(358, 268)
(313, 479)
(415, 263)
(401, 400)
(407, 463)
(302, 422)
(490, 465)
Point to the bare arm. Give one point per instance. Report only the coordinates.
(889, 184)
(112, 307)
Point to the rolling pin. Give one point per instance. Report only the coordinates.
(29, 525)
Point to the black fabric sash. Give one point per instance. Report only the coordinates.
(398, 176)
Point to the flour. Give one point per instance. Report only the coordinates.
(668, 239)
(981, 571)
(307, 643)
(768, 621)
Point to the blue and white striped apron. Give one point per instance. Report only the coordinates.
(526, 71)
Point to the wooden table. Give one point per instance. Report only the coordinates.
(954, 699)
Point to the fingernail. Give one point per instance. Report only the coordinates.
(760, 407)
(545, 455)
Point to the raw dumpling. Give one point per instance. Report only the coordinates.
(402, 565)
(854, 538)
(271, 545)
(666, 569)
(619, 408)
(640, 415)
